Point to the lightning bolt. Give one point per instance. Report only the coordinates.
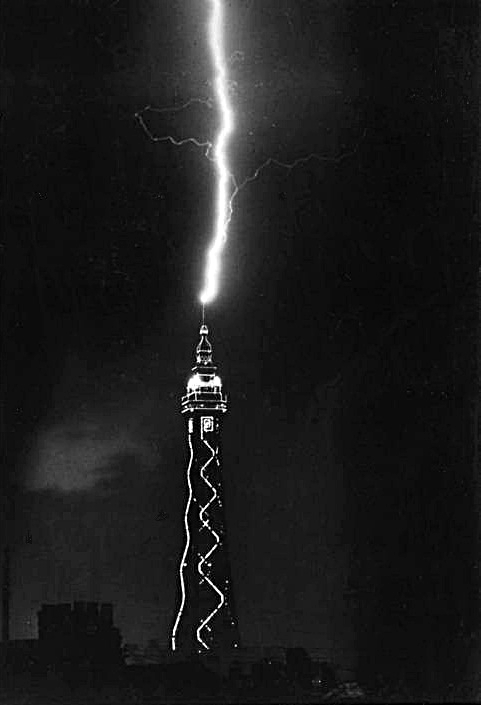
(217, 152)
(228, 187)
(223, 173)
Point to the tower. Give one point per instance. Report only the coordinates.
(205, 621)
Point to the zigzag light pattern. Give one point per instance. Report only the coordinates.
(204, 559)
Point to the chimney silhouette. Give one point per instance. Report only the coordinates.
(6, 595)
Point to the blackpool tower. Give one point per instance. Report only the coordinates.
(205, 620)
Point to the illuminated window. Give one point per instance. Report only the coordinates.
(191, 425)
(207, 423)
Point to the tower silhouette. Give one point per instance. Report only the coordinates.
(205, 621)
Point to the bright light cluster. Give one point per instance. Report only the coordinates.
(223, 209)
(196, 382)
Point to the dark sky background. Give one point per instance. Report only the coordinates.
(343, 328)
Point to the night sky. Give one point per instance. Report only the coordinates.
(343, 328)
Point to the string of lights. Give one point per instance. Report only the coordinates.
(186, 548)
(204, 559)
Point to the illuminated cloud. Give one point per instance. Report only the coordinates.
(79, 455)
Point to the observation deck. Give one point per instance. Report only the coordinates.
(213, 400)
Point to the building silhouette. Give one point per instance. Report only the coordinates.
(205, 620)
(81, 636)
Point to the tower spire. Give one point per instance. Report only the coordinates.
(203, 351)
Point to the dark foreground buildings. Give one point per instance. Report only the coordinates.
(80, 636)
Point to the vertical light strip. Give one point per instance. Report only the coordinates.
(223, 209)
(187, 544)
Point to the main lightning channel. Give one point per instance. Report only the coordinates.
(223, 208)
